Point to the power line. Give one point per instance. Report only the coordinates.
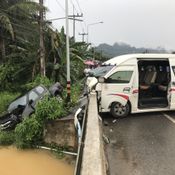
(79, 5)
(80, 10)
(85, 25)
(73, 17)
(60, 5)
(73, 6)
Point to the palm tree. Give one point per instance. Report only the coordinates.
(5, 26)
(11, 13)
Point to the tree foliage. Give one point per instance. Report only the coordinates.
(19, 47)
(6, 98)
(28, 133)
(20, 65)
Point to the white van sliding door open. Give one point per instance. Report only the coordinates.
(171, 94)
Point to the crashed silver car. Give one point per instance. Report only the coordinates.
(24, 106)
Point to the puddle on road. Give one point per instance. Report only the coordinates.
(31, 162)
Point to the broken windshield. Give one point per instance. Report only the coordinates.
(100, 71)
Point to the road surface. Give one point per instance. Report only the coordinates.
(141, 144)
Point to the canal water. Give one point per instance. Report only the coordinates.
(32, 162)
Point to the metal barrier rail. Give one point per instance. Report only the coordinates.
(77, 169)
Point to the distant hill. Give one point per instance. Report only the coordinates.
(122, 48)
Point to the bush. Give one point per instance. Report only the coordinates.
(28, 133)
(39, 80)
(7, 138)
(75, 95)
(6, 98)
(49, 108)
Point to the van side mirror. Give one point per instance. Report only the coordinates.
(101, 79)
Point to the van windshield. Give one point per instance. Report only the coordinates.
(100, 71)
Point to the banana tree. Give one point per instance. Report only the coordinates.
(57, 55)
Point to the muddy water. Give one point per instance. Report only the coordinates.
(31, 162)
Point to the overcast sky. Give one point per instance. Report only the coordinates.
(140, 23)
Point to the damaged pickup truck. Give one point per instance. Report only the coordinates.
(24, 106)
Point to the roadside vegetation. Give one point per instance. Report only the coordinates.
(5, 99)
(20, 67)
(29, 133)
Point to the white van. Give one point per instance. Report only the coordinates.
(138, 83)
(94, 74)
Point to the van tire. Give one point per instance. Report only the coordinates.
(118, 110)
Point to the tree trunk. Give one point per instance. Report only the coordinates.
(42, 49)
(33, 71)
(2, 50)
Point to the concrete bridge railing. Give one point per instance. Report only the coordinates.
(93, 160)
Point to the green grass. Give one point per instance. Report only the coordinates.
(5, 99)
(7, 138)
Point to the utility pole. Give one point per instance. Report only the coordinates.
(73, 22)
(83, 34)
(42, 48)
(67, 51)
(73, 17)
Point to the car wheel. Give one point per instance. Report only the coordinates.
(118, 110)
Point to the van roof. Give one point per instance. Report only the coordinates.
(120, 59)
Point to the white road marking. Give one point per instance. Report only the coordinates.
(169, 117)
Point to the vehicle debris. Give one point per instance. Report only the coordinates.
(106, 139)
(114, 121)
(24, 106)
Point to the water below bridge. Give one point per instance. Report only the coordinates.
(35, 162)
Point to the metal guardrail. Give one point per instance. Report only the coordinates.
(77, 169)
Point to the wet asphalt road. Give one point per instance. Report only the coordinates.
(141, 144)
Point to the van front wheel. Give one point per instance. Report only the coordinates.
(118, 110)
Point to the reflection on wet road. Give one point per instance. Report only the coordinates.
(141, 144)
